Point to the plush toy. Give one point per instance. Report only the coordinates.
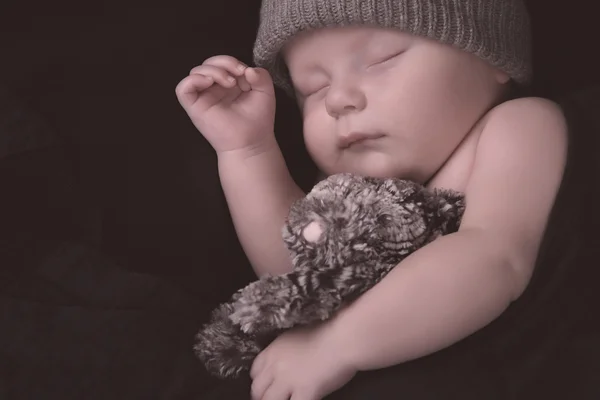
(344, 237)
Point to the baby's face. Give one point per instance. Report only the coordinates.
(384, 103)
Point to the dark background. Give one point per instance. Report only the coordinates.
(103, 75)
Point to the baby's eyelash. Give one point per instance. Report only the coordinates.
(315, 91)
(388, 58)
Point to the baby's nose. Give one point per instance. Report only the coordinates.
(312, 232)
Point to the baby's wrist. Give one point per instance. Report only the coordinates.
(268, 145)
(335, 340)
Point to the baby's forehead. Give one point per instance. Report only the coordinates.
(349, 39)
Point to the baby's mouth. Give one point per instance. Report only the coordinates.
(356, 138)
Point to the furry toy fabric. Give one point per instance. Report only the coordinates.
(344, 237)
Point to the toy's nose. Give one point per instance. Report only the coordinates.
(312, 232)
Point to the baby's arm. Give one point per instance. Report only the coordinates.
(461, 282)
(259, 192)
(233, 106)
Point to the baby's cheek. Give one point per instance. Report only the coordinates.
(323, 154)
(319, 135)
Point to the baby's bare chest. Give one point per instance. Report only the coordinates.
(457, 170)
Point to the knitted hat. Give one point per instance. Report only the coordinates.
(495, 30)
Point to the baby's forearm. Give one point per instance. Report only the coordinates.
(437, 296)
(259, 191)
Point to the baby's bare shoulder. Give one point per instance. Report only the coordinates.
(528, 114)
(518, 168)
(522, 142)
(532, 127)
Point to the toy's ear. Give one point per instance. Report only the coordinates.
(402, 189)
(450, 206)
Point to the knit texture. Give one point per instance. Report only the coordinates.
(497, 31)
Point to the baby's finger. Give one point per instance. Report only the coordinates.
(228, 63)
(220, 76)
(277, 391)
(260, 80)
(243, 83)
(189, 89)
(260, 386)
(258, 364)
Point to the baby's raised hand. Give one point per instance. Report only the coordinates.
(231, 104)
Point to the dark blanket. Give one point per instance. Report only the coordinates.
(76, 324)
(78, 327)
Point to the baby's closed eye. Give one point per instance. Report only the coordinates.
(312, 91)
(384, 60)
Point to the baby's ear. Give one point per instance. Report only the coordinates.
(501, 77)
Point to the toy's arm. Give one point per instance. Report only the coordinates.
(459, 283)
(227, 345)
(301, 297)
(224, 350)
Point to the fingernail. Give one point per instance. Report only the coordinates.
(231, 79)
(241, 66)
